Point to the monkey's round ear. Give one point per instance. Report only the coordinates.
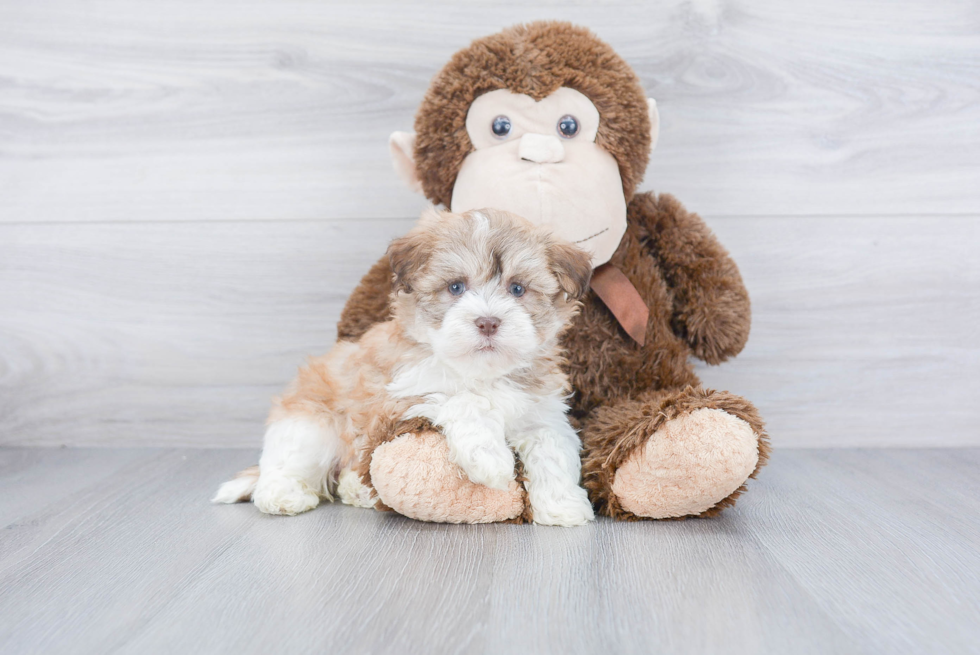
(402, 148)
(573, 268)
(654, 122)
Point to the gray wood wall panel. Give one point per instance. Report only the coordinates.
(189, 190)
(864, 329)
(186, 110)
(167, 332)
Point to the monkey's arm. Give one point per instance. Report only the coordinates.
(367, 304)
(711, 305)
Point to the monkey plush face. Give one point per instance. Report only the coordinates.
(540, 160)
(543, 120)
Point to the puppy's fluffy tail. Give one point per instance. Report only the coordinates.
(240, 488)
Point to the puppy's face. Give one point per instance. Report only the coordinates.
(485, 289)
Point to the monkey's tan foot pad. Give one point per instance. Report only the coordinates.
(412, 475)
(688, 465)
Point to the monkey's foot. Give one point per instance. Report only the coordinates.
(412, 475)
(683, 453)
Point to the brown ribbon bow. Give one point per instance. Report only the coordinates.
(622, 299)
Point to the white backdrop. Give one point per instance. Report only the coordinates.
(190, 189)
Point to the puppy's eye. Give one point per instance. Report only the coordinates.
(500, 127)
(567, 126)
(517, 289)
(457, 288)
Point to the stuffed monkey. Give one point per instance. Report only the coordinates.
(547, 121)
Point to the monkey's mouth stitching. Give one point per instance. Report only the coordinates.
(593, 236)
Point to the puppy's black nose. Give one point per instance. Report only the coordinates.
(488, 325)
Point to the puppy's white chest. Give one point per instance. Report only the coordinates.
(447, 397)
(512, 403)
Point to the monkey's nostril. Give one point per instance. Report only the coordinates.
(541, 149)
(487, 325)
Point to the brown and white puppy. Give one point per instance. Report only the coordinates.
(480, 300)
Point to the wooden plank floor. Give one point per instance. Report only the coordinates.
(832, 551)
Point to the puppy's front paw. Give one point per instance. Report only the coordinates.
(571, 507)
(491, 465)
(278, 494)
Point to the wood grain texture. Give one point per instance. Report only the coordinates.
(864, 330)
(159, 333)
(844, 551)
(189, 190)
(32, 478)
(280, 109)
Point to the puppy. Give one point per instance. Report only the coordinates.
(479, 302)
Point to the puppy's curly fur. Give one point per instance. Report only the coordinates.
(479, 301)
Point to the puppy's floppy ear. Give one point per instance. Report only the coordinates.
(572, 267)
(407, 255)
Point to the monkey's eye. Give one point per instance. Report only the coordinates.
(501, 127)
(517, 289)
(457, 288)
(567, 126)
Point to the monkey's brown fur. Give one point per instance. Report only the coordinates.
(698, 304)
